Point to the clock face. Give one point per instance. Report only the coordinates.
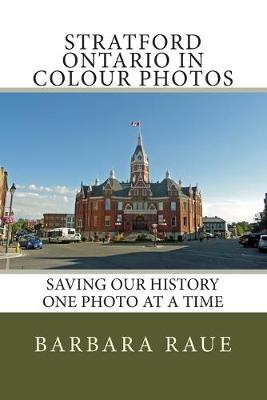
(139, 157)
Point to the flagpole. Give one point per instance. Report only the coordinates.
(139, 126)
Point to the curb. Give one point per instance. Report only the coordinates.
(9, 255)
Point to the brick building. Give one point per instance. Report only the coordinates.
(3, 191)
(138, 205)
(52, 221)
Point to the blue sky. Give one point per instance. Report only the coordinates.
(53, 141)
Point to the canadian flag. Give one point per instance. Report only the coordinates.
(135, 123)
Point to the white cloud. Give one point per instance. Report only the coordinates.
(32, 201)
(32, 187)
(27, 194)
(232, 210)
(61, 189)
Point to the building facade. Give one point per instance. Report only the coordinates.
(215, 226)
(52, 221)
(138, 205)
(3, 191)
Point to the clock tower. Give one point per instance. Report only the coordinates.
(139, 163)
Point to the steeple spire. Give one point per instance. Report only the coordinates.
(139, 162)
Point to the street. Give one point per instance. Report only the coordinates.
(210, 254)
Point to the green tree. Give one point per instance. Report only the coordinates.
(260, 219)
(239, 228)
(19, 225)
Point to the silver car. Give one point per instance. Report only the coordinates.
(262, 246)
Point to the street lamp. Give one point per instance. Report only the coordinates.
(164, 224)
(155, 231)
(118, 225)
(12, 192)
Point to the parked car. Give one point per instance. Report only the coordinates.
(77, 237)
(209, 235)
(262, 245)
(243, 237)
(31, 242)
(251, 240)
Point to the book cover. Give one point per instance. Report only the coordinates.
(133, 228)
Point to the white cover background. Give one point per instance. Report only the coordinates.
(25, 292)
(233, 32)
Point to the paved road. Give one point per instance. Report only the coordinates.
(210, 254)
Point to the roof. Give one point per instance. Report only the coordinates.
(140, 149)
(212, 219)
(121, 189)
(186, 190)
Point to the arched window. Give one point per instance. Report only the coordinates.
(107, 204)
(173, 206)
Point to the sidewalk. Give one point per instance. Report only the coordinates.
(11, 252)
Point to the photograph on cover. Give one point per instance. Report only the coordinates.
(133, 181)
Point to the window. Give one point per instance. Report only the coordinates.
(160, 219)
(173, 205)
(185, 221)
(95, 221)
(107, 204)
(185, 206)
(160, 206)
(173, 221)
(95, 205)
(107, 220)
(120, 205)
(119, 218)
